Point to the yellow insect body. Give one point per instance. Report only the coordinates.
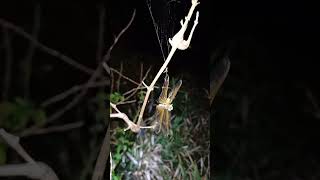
(164, 107)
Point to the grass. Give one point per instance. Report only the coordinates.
(184, 154)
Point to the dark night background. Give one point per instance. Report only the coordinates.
(264, 122)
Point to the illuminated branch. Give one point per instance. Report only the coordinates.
(177, 42)
(31, 169)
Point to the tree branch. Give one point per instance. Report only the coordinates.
(105, 148)
(44, 48)
(71, 91)
(51, 129)
(176, 42)
(31, 169)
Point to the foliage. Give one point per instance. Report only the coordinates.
(116, 97)
(176, 156)
(124, 143)
(17, 115)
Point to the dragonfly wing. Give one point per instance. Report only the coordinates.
(175, 90)
(164, 92)
(160, 116)
(167, 119)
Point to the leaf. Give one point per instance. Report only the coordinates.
(16, 115)
(6, 108)
(116, 97)
(39, 117)
(141, 95)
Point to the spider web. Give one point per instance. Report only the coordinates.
(163, 19)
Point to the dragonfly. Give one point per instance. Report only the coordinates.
(164, 107)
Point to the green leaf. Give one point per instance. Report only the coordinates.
(116, 97)
(39, 117)
(141, 95)
(16, 115)
(6, 108)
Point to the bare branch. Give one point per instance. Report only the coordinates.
(106, 57)
(135, 90)
(13, 141)
(123, 76)
(39, 170)
(119, 78)
(106, 67)
(131, 125)
(126, 102)
(44, 48)
(105, 148)
(102, 157)
(52, 129)
(177, 42)
(31, 169)
(93, 77)
(71, 91)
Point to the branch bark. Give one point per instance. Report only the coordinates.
(31, 169)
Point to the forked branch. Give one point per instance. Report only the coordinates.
(177, 42)
(31, 169)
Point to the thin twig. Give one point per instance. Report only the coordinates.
(31, 169)
(76, 99)
(105, 148)
(106, 57)
(141, 71)
(70, 105)
(129, 92)
(71, 91)
(135, 90)
(44, 48)
(52, 129)
(126, 102)
(93, 77)
(176, 42)
(123, 76)
(83, 92)
(119, 77)
(112, 81)
(131, 125)
(106, 67)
